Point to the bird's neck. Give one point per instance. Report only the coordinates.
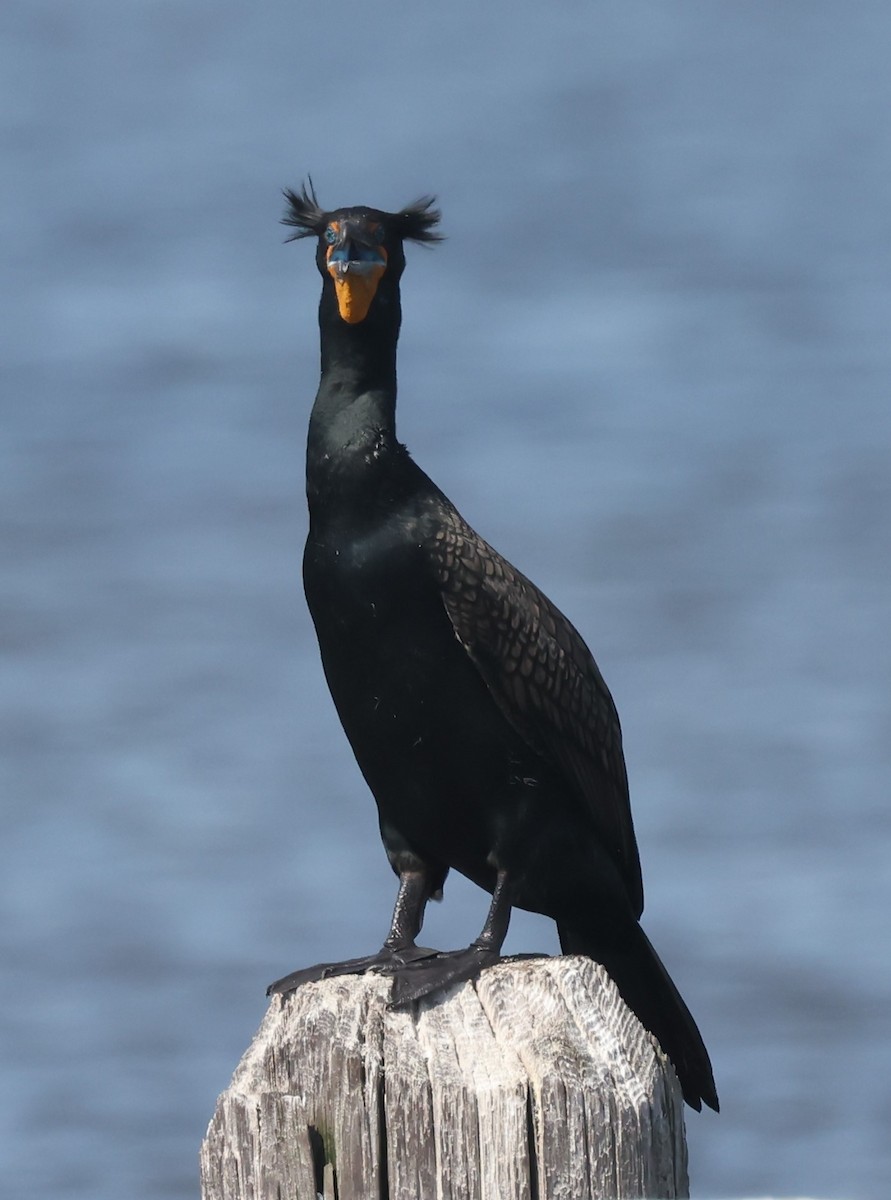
(353, 422)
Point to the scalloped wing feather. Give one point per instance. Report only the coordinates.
(543, 677)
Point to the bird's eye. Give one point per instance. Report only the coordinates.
(330, 235)
(379, 234)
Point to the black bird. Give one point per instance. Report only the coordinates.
(475, 711)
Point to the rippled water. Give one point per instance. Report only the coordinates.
(651, 364)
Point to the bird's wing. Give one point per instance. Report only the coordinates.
(543, 677)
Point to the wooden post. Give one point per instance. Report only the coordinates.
(533, 1083)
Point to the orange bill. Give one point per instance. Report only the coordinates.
(356, 264)
(355, 284)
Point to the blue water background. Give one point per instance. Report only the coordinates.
(651, 364)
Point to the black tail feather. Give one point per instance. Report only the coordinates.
(648, 990)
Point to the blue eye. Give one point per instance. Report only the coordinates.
(331, 235)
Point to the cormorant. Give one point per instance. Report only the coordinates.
(476, 713)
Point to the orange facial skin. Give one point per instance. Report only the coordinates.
(357, 270)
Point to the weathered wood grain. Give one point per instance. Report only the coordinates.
(534, 1083)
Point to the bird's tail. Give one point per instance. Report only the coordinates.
(648, 990)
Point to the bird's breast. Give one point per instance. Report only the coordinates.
(431, 742)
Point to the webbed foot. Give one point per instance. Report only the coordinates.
(435, 974)
(388, 960)
(424, 978)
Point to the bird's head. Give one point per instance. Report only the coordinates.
(359, 248)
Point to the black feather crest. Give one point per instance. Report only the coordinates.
(417, 221)
(304, 212)
(414, 223)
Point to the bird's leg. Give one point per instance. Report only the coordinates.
(408, 917)
(442, 970)
(398, 950)
(491, 939)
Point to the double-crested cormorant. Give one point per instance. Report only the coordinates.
(476, 712)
